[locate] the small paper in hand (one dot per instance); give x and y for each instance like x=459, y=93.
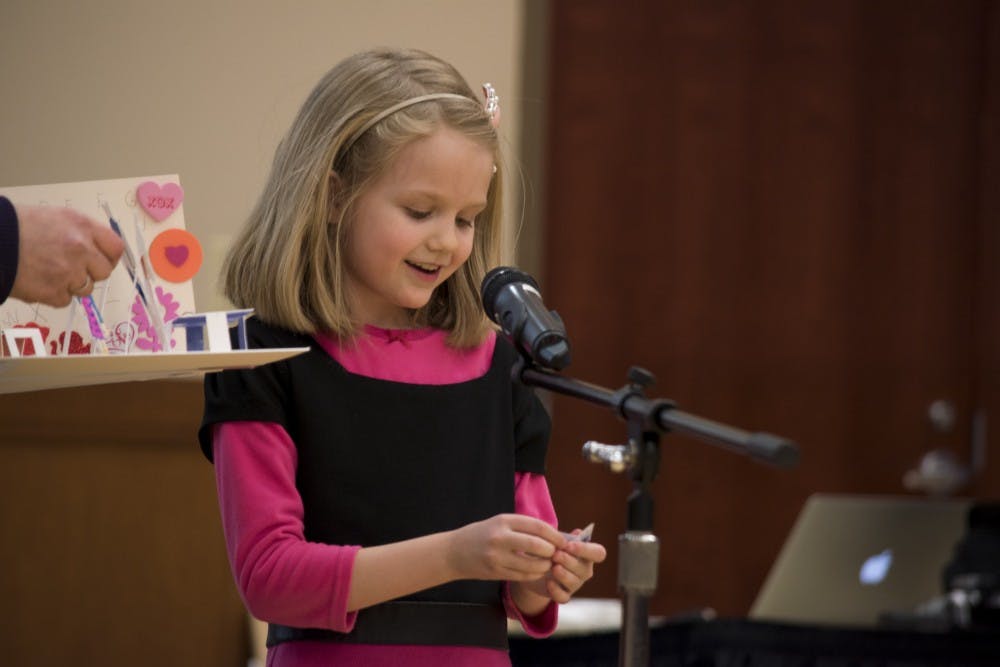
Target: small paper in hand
x=583, y=536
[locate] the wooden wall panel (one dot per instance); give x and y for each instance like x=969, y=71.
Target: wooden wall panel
x=110, y=537
x=775, y=207
x=987, y=325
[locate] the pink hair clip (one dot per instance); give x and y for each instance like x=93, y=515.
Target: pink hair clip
x=492, y=106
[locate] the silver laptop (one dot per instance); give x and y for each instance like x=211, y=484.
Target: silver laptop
x=850, y=559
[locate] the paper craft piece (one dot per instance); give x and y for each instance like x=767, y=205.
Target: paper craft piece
x=176, y=255
x=127, y=328
x=159, y=201
x=32, y=335
x=583, y=536
x=213, y=328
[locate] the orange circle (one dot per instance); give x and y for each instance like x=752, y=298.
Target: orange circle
x=176, y=255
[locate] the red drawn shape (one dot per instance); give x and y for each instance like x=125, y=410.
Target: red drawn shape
x=176, y=254
x=159, y=201
x=76, y=345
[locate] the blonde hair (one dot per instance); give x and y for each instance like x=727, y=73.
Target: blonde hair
x=287, y=262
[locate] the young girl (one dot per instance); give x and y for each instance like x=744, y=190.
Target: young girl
x=382, y=496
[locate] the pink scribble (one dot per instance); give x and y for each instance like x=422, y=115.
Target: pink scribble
x=93, y=320
x=170, y=305
x=121, y=337
x=146, y=337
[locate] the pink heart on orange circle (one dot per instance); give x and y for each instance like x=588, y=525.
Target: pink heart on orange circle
x=159, y=201
x=176, y=254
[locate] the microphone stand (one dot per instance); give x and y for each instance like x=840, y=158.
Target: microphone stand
x=638, y=547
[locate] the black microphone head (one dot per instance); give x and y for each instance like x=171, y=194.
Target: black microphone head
x=495, y=281
x=512, y=300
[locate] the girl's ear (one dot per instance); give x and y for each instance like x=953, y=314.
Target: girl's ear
x=336, y=196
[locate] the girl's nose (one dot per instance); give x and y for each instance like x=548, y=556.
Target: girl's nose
x=444, y=237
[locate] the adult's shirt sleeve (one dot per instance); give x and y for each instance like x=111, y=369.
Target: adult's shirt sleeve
x=9, y=242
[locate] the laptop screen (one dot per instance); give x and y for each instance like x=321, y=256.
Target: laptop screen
x=850, y=559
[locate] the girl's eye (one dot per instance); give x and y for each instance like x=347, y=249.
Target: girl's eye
x=465, y=222
x=417, y=214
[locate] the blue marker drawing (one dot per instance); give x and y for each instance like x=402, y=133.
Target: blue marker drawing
x=128, y=259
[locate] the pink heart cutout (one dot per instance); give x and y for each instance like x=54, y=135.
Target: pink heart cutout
x=159, y=201
x=176, y=254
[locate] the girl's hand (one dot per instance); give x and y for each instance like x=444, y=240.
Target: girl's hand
x=572, y=566
x=510, y=547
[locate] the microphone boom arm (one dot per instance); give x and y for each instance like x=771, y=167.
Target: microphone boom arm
x=662, y=415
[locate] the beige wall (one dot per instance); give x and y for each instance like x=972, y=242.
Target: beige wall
x=205, y=88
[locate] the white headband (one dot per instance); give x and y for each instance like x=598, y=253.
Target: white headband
x=402, y=105
x=492, y=109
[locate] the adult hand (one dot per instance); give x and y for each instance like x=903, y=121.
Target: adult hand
x=62, y=253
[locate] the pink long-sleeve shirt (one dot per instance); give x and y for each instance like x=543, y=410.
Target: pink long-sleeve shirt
x=285, y=579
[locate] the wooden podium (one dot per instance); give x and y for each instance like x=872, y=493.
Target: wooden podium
x=111, y=547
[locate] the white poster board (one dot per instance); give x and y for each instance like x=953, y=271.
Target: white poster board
x=127, y=319
x=128, y=323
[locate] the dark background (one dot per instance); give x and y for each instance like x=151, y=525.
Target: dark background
x=788, y=212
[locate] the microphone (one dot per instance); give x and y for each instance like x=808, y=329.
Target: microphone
x=512, y=300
